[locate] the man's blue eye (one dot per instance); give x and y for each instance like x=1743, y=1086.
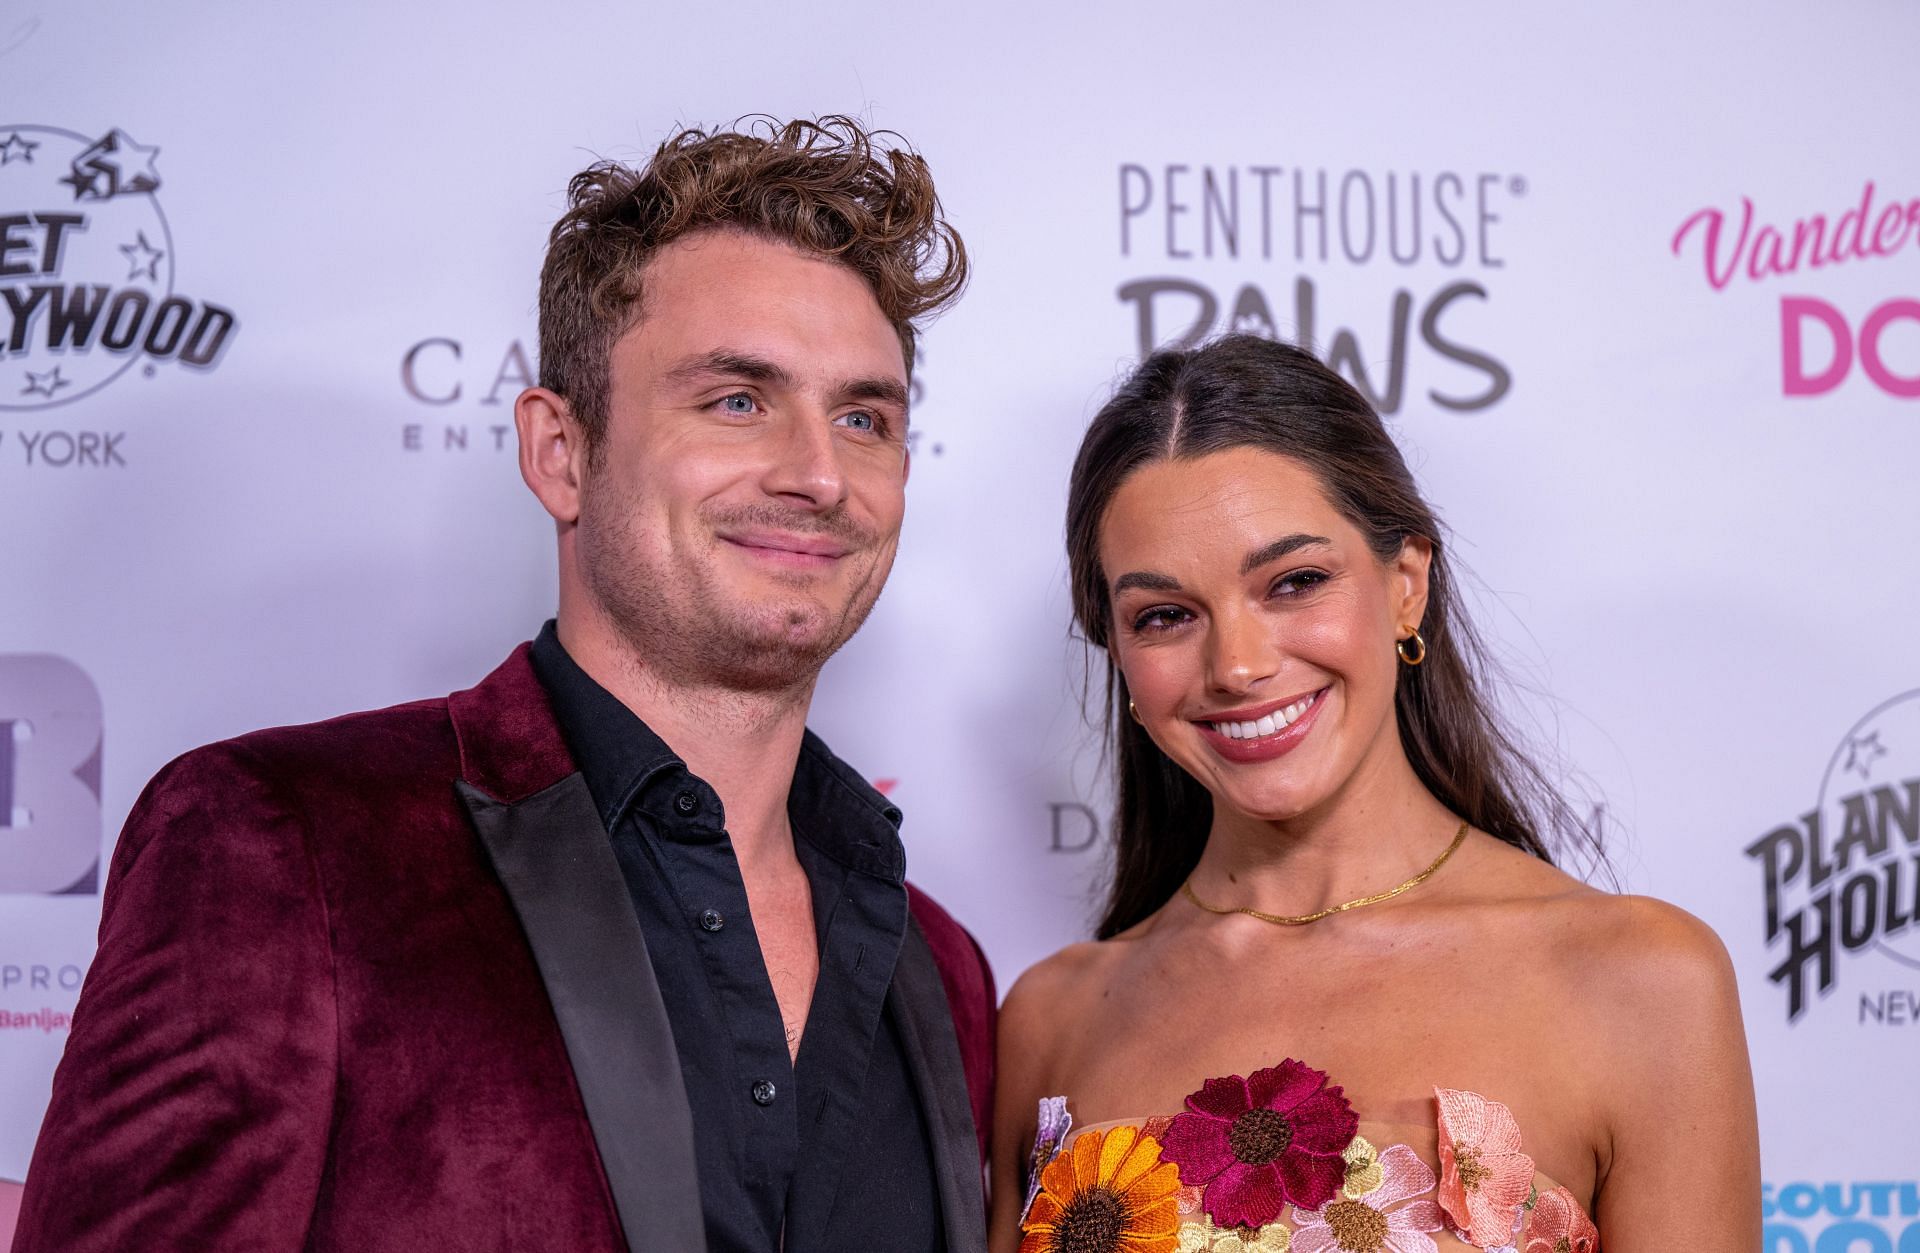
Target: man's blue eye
x=860, y=421
x=739, y=402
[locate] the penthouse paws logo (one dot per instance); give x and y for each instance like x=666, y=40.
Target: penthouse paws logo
x=1841, y=882
x=1387, y=273
x=87, y=271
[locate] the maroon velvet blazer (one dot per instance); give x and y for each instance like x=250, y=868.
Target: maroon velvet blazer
x=376, y=983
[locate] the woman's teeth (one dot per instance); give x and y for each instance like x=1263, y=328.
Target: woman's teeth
x=1278, y=720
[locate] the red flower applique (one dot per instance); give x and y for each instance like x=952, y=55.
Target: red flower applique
x=1559, y=1225
x=1484, y=1177
x=1254, y=1145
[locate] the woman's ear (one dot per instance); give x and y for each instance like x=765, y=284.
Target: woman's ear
x=1408, y=576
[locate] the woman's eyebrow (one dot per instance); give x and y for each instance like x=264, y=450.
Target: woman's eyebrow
x=1281, y=548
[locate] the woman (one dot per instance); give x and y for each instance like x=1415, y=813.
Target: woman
x=1341, y=999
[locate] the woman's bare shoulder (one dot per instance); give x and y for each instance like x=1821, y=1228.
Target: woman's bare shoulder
x=1639, y=949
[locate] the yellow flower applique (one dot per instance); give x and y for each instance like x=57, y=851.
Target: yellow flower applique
x=1201, y=1236
x=1364, y=1172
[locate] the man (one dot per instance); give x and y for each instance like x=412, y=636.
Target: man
x=607, y=949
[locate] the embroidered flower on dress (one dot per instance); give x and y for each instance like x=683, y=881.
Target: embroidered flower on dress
x=1202, y=1236
x=1484, y=1177
x=1364, y=1172
x=1257, y=1143
x=1557, y=1224
x=1053, y=1124
x=1108, y=1193
x=1377, y=1222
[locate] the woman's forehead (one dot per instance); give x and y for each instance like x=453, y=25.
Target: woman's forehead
x=1221, y=499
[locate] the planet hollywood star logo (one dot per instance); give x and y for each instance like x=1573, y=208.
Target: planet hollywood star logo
x=1842, y=881
x=87, y=269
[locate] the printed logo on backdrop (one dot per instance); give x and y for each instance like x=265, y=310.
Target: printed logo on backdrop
x=1840, y=884
x=473, y=385
x=1862, y=1217
x=1822, y=343
x=1383, y=272
x=50, y=745
x=89, y=284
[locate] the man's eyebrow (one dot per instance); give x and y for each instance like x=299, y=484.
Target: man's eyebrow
x=892, y=391
x=1152, y=580
x=727, y=363
x=730, y=364
x=1281, y=548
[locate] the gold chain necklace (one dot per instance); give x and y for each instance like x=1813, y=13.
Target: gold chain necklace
x=1301, y=920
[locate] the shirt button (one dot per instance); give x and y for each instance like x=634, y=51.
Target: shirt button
x=710, y=920
x=686, y=802
x=764, y=1092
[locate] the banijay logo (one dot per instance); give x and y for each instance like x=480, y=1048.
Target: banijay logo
x=1843, y=879
x=87, y=283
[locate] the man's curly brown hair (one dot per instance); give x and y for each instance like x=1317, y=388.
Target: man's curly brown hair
x=827, y=187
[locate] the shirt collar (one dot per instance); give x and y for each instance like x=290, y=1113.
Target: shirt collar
x=832, y=808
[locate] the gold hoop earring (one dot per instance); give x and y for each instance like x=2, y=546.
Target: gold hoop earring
x=1135, y=711
x=1415, y=655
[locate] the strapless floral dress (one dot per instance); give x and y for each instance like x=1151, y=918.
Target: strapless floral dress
x=1279, y=1162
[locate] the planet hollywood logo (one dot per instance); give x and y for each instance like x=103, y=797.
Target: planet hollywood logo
x=1843, y=879
x=1380, y=271
x=87, y=269
x=1742, y=246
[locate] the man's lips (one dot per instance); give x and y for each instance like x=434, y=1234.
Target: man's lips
x=789, y=548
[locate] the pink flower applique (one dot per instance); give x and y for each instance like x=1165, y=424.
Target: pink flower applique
x=1377, y=1221
x=1557, y=1224
x=1484, y=1177
x=1254, y=1145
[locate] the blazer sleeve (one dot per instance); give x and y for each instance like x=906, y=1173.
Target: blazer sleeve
x=191, y=1108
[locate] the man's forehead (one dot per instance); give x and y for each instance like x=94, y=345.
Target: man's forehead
x=727, y=294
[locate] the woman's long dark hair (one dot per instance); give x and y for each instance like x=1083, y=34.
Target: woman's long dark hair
x=1243, y=391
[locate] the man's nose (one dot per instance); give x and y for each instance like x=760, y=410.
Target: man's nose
x=804, y=463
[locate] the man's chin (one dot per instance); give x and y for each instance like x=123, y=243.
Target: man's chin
x=776, y=647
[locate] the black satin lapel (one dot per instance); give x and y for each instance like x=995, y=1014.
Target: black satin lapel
x=919, y=1002
x=552, y=854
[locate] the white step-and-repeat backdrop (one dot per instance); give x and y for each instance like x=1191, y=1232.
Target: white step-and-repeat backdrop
x=1638, y=287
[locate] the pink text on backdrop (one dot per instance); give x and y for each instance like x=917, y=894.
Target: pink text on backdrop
x=1725, y=254
x=1796, y=311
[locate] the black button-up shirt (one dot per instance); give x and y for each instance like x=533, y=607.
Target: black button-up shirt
x=829, y=1151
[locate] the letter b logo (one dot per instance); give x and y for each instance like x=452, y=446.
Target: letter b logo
x=49, y=777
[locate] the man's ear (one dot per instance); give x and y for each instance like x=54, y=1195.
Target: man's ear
x=1409, y=575
x=553, y=451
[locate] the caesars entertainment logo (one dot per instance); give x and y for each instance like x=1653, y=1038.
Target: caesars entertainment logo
x=468, y=388
x=88, y=279
x=1821, y=343
x=1380, y=271
x=1841, y=882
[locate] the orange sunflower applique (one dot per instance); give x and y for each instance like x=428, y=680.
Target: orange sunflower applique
x=1109, y=1192
x=1484, y=1177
